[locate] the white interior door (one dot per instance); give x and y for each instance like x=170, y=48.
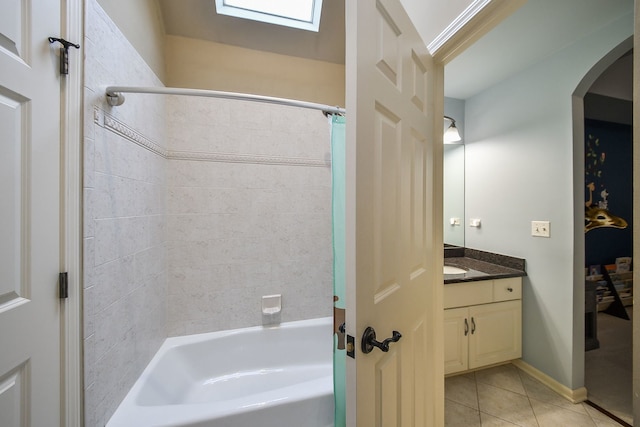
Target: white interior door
x=29, y=214
x=394, y=204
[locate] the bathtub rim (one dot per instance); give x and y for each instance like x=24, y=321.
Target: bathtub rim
x=198, y=410
x=177, y=341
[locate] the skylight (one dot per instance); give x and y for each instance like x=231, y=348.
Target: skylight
x=302, y=14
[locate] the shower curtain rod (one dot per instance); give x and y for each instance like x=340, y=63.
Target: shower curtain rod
x=115, y=97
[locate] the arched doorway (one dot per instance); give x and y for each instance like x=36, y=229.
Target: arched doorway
x=614, y=395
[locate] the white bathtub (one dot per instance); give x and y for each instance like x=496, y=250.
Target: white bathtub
x=261, y=376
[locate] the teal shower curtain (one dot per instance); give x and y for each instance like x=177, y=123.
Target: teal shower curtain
x=339, y=273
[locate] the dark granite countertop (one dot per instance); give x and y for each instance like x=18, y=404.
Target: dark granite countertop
x=481, y=265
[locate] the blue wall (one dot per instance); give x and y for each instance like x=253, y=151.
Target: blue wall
x=609, y=166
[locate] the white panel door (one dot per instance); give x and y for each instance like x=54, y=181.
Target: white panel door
x=394, y=240
x=29, y=214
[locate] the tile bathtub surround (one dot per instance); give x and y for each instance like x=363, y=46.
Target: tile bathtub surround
x=193, y=209
x=507, y=396
x=124, y=221
x=249, y=213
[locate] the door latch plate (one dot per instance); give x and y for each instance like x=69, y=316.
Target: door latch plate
x=351, y=347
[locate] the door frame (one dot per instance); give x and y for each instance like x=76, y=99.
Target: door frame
x=636, y=207
x=71, y=135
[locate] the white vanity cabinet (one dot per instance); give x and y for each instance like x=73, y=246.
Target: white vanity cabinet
x=482, y=323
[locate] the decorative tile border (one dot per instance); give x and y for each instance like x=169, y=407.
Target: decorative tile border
x=246, y=158
x=116, y=126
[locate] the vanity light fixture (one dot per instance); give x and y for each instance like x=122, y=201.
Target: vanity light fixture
x=451, y=135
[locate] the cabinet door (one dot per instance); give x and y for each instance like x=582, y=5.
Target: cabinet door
x=496, y=333
x=456, y=343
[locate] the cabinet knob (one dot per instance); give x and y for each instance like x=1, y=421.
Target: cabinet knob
x=510, y=289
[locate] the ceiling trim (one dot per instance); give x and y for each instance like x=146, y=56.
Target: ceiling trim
x=475, y=21
x=472, y=10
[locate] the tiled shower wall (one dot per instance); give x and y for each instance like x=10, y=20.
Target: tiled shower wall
x=124, y=223
x=194, y=209
x=249, y=213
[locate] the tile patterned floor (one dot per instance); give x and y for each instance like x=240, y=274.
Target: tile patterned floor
x=507, y=396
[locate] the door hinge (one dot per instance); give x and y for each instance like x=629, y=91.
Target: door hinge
x=63, y=285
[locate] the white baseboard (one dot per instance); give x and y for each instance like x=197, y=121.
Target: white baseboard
x=574, y=396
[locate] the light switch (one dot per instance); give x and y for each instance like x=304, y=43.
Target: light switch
x=540, y=229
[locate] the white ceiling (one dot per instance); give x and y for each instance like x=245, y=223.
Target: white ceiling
x=535, y=31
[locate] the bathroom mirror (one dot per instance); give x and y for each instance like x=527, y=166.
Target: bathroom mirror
x=453, y=194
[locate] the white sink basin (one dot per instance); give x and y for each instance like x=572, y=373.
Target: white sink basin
x=449, y=269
